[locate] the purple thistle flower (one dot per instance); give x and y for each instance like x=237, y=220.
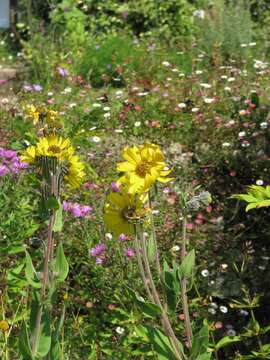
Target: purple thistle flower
x=8, y=154
x=98, y=250
x=3, y=170
x=122, y=237
x=129, y=252
x=76, y=210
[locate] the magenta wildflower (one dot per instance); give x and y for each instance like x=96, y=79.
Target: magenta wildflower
x=76, y=209
x=3, y=170
x=61, y=71
x=129, y=252
x=114, y=187
x=122, y=237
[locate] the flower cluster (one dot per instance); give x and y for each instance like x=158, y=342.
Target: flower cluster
x=10, y=162
x=126, y=204
x=42, y=114
x=56, y=147
x=98, y=252
x=77, y=210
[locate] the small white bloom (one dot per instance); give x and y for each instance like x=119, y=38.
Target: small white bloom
x=120, y=330
x=107, y=115
x=67, y=90
x=106, y=108
x=226, y=144
x=155, y=212
x=227, y=88
x=175, y=248
x=259, y=182
x=50, y=93
x=224, y=77
x=195, y=109
x=231, y=79
x=108, y=236
x=140, y=298
x=96, y=139
x=119, y=92
x=143, y=93
x=243, y=45
x=96, y=105
x=223, y=309
x=242, y=134
x=181, y=105
x=199, y=14
x=198, y=72
x=72, y=105
x=181, y=75
x=4, y=101
x=242, y=112
x=263, y=125
x=175, y=70
x=205, y=85
x=212, y=311
x=252, y=44
x=205, y=273
x=166, y=63
x=93, y=128
x=209, y=100
x=119, y=131
x=137, y=124
x=224, y=266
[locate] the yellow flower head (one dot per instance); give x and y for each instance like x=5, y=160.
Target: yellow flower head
x=29, y=155
x=143, y=166
x=123, y=210
x=4, y=325
x=32, y=113
x=54, y=146
x=75, y=171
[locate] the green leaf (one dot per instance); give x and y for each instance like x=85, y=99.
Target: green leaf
x=171, y=285
x=200, y=342
x=58, y=222
x=52, y=203
x=188, y=265
x=61, y=265
x=161, y=343
x=227, y=340
x=151, y=249
x=56, y=352
x=44, y=340
x=148, y=308
x=206, y=356
x=30, y=272
x=24, y=344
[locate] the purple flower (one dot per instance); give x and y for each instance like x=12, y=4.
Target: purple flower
x=122, y=237
x=115, y=187
x=129, y=252
x=37, y=87
x=99, y=261
x=85, y=210
x=98, y=250
x=28, y=88
x=3, y=170
x=76, y=210
x=61, y=71
x=8, y=154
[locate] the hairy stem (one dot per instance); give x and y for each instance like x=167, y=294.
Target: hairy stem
x=165, y=320
x=184, y=287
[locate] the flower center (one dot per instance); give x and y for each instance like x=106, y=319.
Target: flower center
x=54, y=149
x=142, y=169
x=133, y=215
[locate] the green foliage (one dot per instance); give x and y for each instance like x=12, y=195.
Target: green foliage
x=226, y=26
x=256, y=197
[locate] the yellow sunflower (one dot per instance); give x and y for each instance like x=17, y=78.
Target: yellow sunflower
x=122, y=210
x=29, y=154
x=143, y=166
x=54, y=146
x=75, y=171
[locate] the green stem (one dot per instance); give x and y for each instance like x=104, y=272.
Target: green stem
x=165, y=320
x=184, y=287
